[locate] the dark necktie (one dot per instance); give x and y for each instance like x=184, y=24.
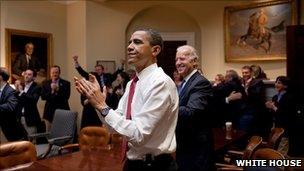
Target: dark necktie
x=128, y=115
x=180, y=87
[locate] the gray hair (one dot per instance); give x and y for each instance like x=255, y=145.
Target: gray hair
x=192, y=51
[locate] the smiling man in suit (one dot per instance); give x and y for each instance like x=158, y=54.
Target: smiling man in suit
x=194, y=134
x=9, y=124
x=56, y=92
x=28, y=96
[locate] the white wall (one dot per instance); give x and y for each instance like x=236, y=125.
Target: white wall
x=76, y=40
x=107, y=23
x=46, y=17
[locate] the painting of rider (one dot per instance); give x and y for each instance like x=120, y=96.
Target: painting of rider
x=257, y=32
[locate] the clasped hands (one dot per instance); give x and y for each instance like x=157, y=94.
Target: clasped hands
x=91, y=90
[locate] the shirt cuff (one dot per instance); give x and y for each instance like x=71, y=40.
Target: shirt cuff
x=112, y=118
x=226, y=100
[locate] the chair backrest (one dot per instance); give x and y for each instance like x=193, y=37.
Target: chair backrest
x=93, y=137
x=275, y=137
x=64, y=124
x=15, y=153
x=267, y=154
x=253, y=143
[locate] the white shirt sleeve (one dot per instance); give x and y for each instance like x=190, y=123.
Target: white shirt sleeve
x=140, y=128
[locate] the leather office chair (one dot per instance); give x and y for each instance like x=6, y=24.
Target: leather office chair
x=252, y=145
x=16, y=153
x=274, y=138
x=90, y=138
x=93, y=137
x=268, y=154
x=61, y=133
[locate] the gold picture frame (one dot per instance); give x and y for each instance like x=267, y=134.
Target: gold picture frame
x=15, y=45
x=257, y=31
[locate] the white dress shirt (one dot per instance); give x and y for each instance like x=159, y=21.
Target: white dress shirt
x=154, y=112
x=26, y=88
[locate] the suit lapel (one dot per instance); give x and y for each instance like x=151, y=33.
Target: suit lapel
x=188, y=84
x=2, y=94
x=29, y=91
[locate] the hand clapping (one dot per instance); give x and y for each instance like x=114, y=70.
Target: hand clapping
x=91, y=90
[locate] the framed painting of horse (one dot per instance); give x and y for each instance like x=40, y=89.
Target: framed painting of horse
x=257, y=31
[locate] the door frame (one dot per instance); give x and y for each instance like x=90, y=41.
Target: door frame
x=179, y=36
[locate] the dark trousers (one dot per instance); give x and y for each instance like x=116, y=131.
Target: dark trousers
x=163, y=162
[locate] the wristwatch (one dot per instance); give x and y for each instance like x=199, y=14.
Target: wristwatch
x=104, y=112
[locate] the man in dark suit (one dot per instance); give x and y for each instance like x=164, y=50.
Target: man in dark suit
x=193, y=132
x=255, y=120
x=9, y=124
x=229, y=103
x=56, y=92
x=28, y=96
x=26, y=61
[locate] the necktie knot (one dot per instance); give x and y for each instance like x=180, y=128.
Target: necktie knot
x=135, y=79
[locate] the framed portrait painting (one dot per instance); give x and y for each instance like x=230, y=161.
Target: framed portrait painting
x=257, y=31
x=28, y=49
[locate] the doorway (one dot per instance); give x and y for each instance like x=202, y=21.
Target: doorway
x=167, y=59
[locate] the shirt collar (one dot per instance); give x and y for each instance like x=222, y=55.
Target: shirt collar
x=248, y=81
x=29, y=84
x=146, y=71
x=1, y=88
x=190, y=75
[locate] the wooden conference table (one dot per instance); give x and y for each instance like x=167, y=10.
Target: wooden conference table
x=110, y=159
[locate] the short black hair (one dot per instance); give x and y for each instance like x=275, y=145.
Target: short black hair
x=56, y=66
x=247, y=67
x=34, y=71
x=156, y=38
x=99, y=65
x=284, y=80
x=4, y=74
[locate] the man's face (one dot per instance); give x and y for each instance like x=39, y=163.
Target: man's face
x=28, y=76
x=99, y=70
x=139, y=49
x=29, y=49
x=279, y=86
x=55, y=73
x=246, y=74
x=183, y=62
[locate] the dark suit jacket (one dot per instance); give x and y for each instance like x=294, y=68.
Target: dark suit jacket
x=28, y=101
x=286, y=109
x=194, y=134
x=255, y=104
x=228, y=111
x=58, y=100
x=20, y=64
x=11, y=127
